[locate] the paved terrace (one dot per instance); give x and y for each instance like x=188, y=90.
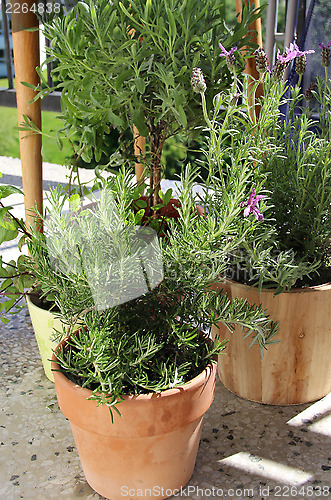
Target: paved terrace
x=247, y=450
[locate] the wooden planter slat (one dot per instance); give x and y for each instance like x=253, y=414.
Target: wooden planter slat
x=297, y=369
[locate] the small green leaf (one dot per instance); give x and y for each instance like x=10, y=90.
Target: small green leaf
x=74, y=201
x=7, y=234
x=21, y=242
x=86, y=191
x=9, y=304
x=167, y=196
x=138, y=216
x=157, y=207
x=4, y=320
x=5, y=219
x=18, y=282
x=182, y=116
x=114, y=119
x=8, y=190
x=140, y=84
x=21, y=263
x=5, y=283
x=29, y=85
x=4, y=273
x=122, y=77
x=139, y=121
x=172, y=23
x=59, y=141
x=141, y=203
x=27, y=280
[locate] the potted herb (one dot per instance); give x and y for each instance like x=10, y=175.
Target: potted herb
x=136, y=380
x=283, y=262
x=19, y=280
x=17, y=283
x=124, y=63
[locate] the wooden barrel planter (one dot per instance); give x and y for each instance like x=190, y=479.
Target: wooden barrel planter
x=297, y=369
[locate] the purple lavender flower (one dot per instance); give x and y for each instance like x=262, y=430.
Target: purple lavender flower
x=251, y=205
x=283, y=61
x=293, y=51
x=325, y=53
x=279, y=67
x=301, y=64
x=323, y=46
x=198, y=81
x=309, y=94
x=229, y=57
x=301, y=59
x=261, y=60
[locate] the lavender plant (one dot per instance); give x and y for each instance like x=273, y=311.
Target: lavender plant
x=288, y=192
x=125, y=63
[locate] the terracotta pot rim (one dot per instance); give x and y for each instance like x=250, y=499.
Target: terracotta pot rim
x=307, y=289
x=190, y=385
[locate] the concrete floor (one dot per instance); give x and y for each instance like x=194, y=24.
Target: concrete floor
x=247, y=450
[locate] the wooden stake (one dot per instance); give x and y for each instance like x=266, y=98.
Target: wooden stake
x=256, y=37
x=139, y=142
x=26, y=58
x=139, y=149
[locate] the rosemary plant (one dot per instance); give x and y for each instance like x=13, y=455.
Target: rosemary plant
x=139, y=340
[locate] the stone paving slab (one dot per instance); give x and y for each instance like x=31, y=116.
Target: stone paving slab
x=247, y=450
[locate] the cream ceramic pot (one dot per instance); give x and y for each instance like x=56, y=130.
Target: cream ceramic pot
x=44, y=324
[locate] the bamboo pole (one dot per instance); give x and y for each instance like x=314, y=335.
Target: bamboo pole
x=139, y=144
x=139, y=149
x=256, y=37
x=26, y=58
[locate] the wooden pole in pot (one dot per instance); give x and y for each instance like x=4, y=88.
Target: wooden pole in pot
x=26, y=59
x=139, y=143
x=256, y=37
x=139, y=149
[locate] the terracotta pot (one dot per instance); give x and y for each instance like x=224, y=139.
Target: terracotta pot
x=44, y=323
x=297, y=369
x=150, y=450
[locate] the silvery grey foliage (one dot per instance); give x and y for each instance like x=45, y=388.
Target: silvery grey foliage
x=121, y=262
